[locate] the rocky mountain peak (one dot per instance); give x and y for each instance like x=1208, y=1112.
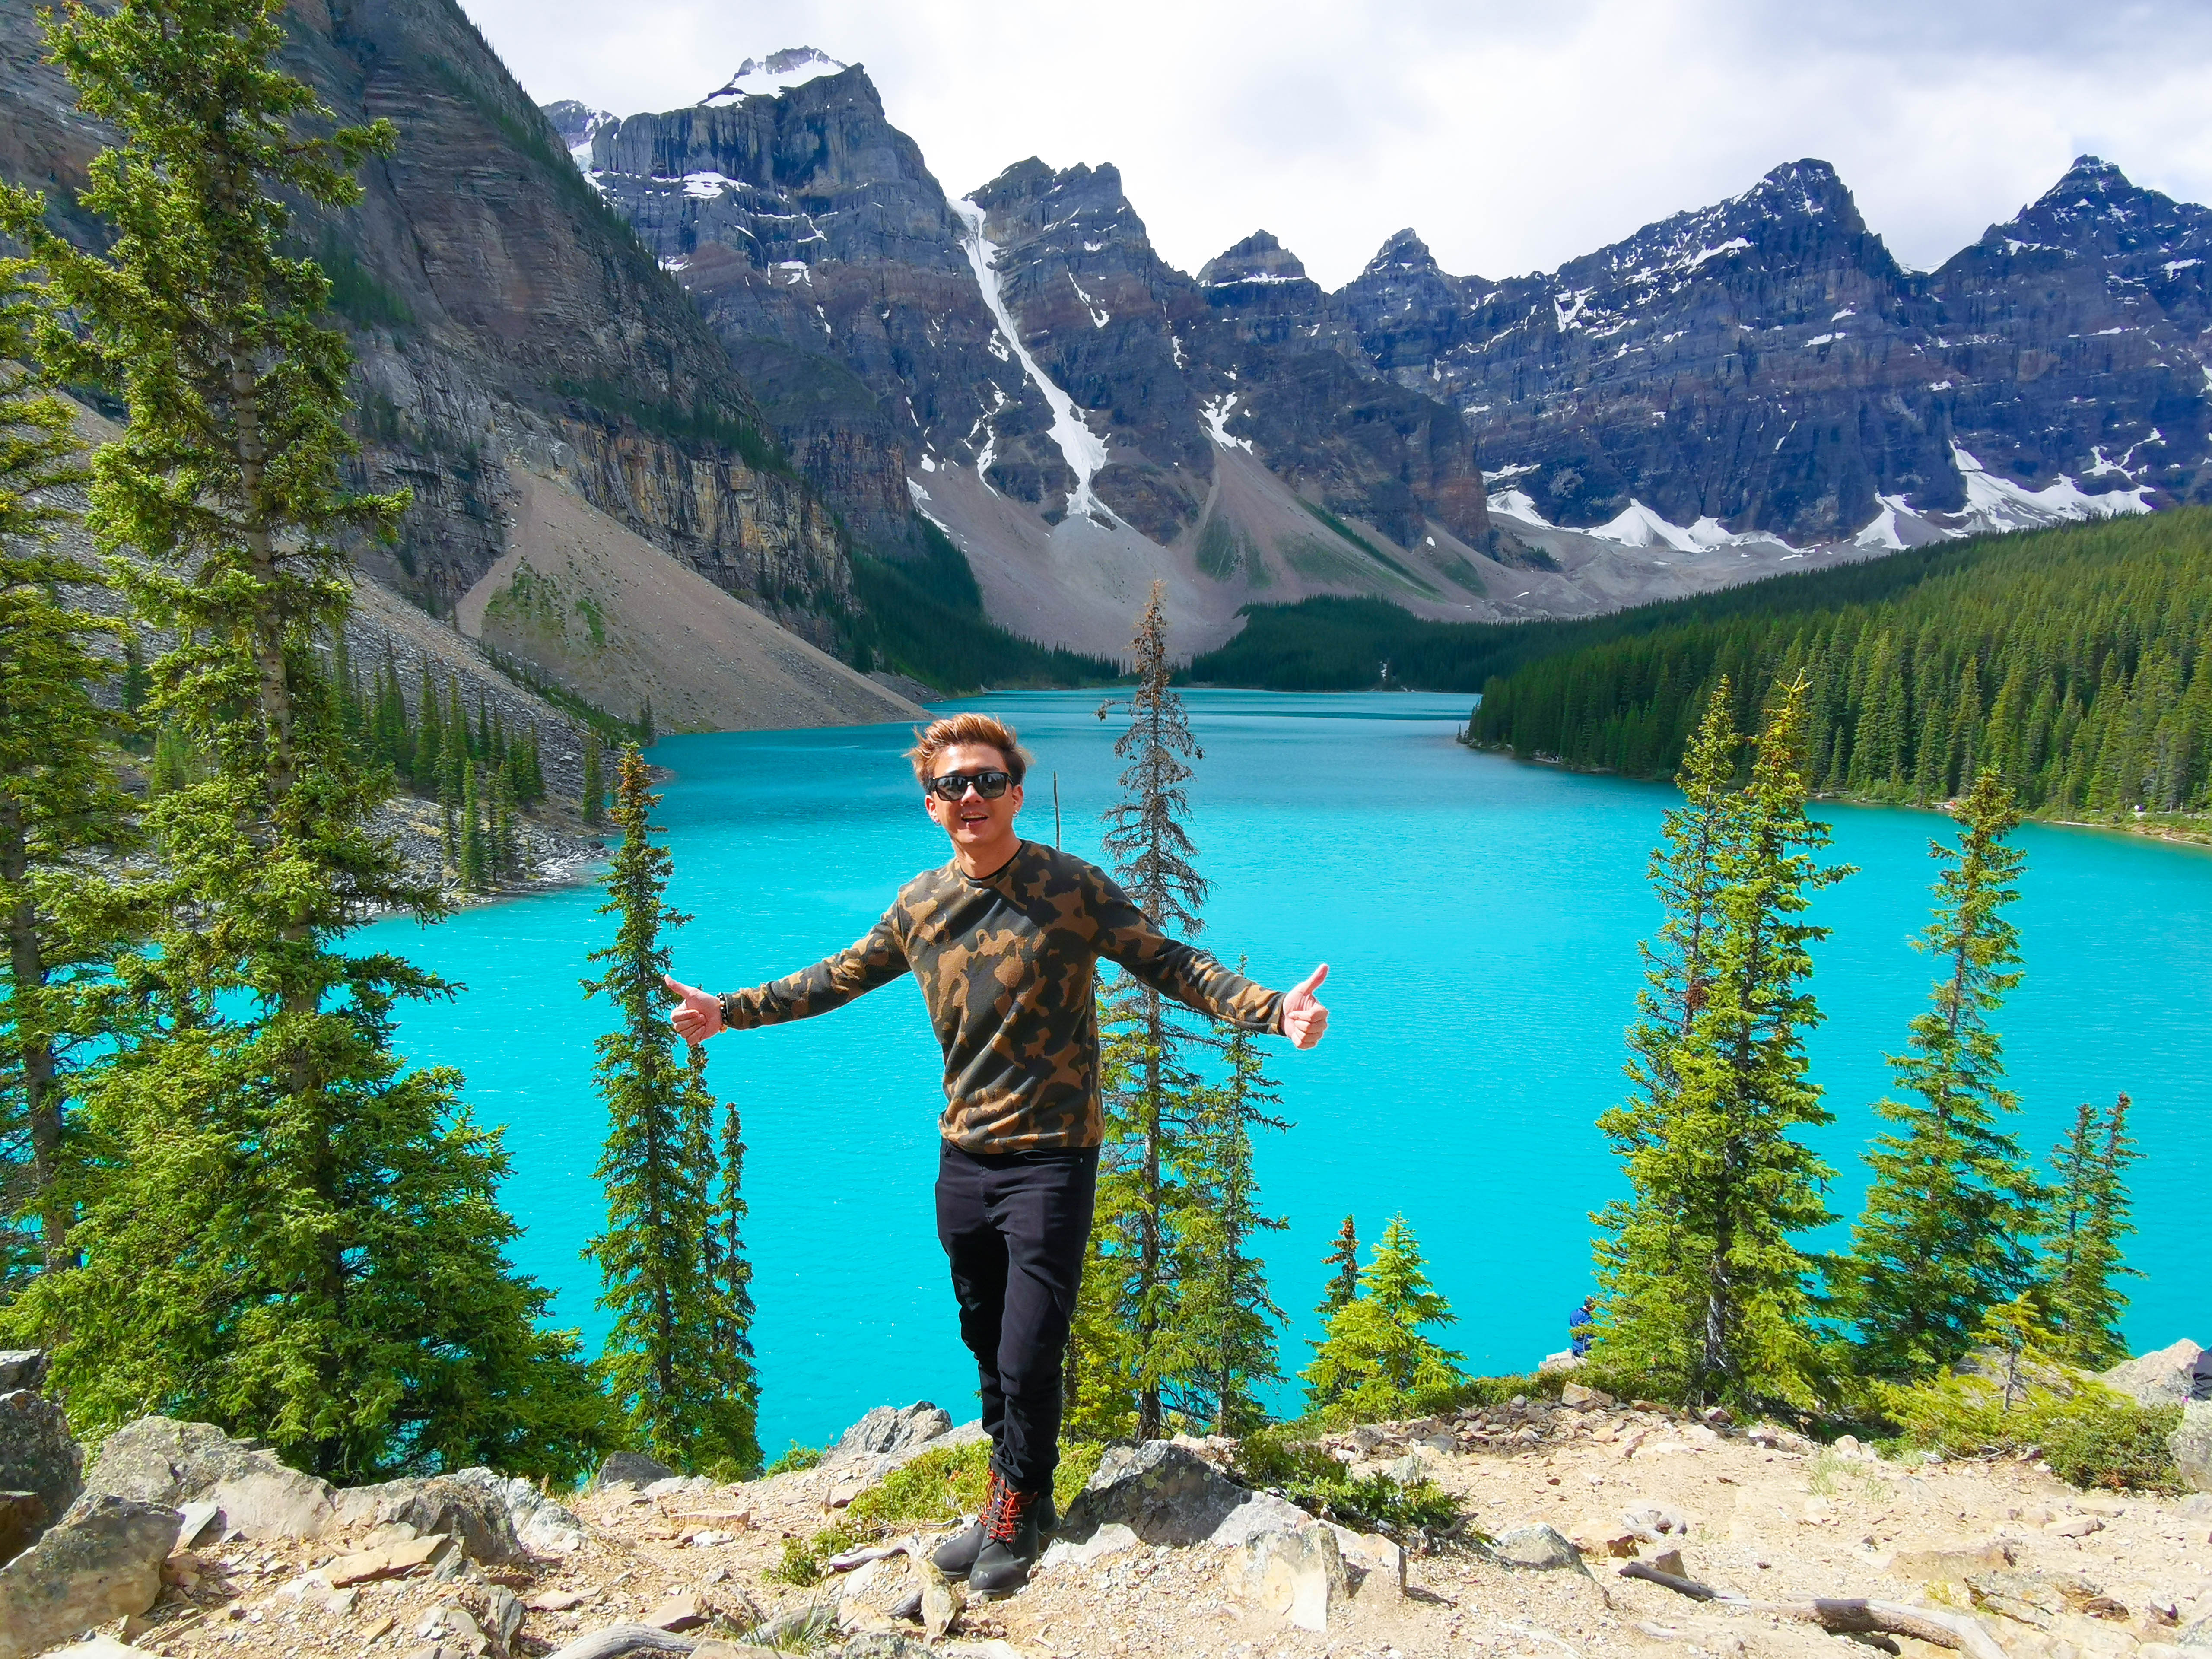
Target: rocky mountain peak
x=1404, y=255
x=578, y=124
x=774, y=73
x=2094, y=210
x=1807, y=186
x=1258, y=258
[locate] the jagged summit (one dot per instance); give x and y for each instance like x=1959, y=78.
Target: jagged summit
x=1258, y=258
x=776, y=72
x=1404, y=255
x=1806, y=186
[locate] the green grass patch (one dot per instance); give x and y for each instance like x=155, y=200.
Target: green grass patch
x=1367, y=547
x=1288, y=1461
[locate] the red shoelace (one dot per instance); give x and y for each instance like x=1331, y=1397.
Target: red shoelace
x=1007, y=1516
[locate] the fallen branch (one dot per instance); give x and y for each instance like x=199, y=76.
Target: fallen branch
x=860, y=1557
x=617, y=1640
x=1841, y=1615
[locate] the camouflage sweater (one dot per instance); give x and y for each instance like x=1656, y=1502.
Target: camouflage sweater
x=1008, y=963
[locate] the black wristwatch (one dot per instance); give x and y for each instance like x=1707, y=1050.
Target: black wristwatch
x=722, y=1004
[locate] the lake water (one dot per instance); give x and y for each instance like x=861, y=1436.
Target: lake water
x=1481, y=919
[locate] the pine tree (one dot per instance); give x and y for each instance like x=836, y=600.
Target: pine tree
x=430, y=735
x=1374, y=1361
x=672, y=1361
x=1225, y=1338
x=1153, y=1091
x=1704, y=1290
x=2088, y=1218
x=731, y=1272
x=65, y=922
x=1645, y=1318
x=1949, y=1219
x=1344, y=1281
x=254, y=1248
x=475, y=862
x=594, y=804
x=459, y=747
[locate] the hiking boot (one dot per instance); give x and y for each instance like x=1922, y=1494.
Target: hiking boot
x=1010, y=1543
x=956, y=1556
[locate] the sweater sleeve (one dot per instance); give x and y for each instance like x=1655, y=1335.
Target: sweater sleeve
x=1126, y=936
x=858, y=969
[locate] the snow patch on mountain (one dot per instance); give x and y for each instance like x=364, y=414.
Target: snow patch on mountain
x=776, y=72
x=1994, y=505
x=1998, y=504
x=1216, y=417
x=1083, y=450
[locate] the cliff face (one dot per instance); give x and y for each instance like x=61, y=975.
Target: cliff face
x=1022, y=363
x=1766, y=362
x=500, y=313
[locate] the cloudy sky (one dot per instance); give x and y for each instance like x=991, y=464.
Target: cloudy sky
x=1511, y=135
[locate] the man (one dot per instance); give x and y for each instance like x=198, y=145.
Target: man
x=1004, y=940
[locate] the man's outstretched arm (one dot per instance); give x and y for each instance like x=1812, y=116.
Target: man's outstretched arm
x=875, y=960
x=1126, y=936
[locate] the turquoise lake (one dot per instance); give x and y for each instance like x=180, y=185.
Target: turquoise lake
x=1481, y=919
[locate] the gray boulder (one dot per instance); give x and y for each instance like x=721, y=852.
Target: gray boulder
x=36, y=1453
x=541, y=1526
x=1164, y=1492
x=1299, y=1574
x=1537, y=1549
x=2191, y=1444
x=628, y=1468
x=471, y=1506
x=889, y=1430
x=2170, y=1377
x=23, y=1368
x=103, y=1561
x=159, y=1460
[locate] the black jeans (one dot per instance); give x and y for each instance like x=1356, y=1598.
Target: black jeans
x=1014, y=1225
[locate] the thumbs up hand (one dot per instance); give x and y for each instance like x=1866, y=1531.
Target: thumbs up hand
x=1304, y=1019
x=700, y=1015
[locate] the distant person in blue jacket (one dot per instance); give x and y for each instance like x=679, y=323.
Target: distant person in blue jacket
x=1579, y=1327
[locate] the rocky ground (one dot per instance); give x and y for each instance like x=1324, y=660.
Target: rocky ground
x=1163, y=1556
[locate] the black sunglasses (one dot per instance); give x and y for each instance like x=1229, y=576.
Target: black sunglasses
x=953, y=785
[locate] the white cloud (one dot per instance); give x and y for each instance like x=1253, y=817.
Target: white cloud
x=1511, y=137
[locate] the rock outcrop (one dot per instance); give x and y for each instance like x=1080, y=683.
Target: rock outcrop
x=103, y=1561
x=159, y=1461
x=2191, y=1444
x=2170, y=1377
x=502, y=316
x=41, y=1466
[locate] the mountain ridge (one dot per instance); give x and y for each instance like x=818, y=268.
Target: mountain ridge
x=1726, y=389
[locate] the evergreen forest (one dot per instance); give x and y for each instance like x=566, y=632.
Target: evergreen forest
x=2075, y=663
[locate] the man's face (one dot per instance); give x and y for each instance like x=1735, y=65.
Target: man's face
x=971, y=821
